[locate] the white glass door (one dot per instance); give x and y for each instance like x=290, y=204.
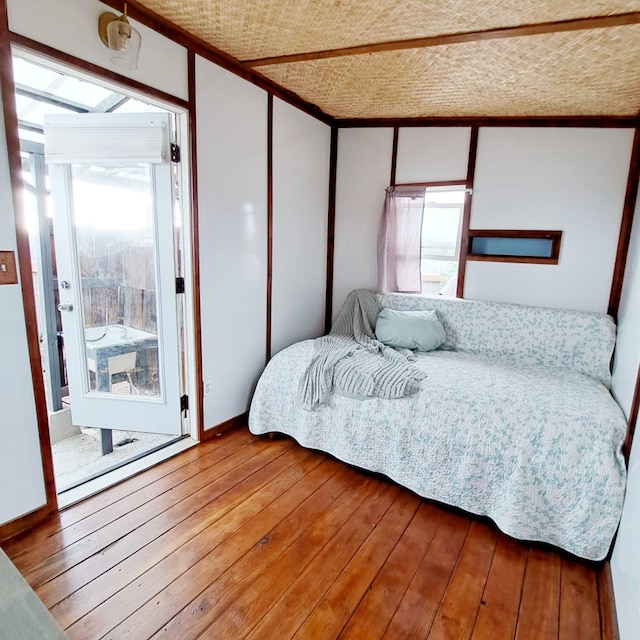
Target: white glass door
x=114, y=241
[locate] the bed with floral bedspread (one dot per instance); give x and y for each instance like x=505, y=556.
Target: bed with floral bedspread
x=514, y=420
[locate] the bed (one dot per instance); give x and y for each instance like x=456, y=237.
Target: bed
x=514, y=420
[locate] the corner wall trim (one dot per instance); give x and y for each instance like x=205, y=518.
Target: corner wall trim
x=631, y=422
x=24, y=265
x=626, y=224
x=269, y=225
x=331, y=227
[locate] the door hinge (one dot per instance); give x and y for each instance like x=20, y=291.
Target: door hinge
x=175, y=153
x=184, y=403
x=180, y=284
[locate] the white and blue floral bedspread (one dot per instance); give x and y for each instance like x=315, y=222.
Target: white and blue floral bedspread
x=535, y=448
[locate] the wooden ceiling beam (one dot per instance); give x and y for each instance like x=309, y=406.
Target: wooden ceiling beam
x=578, y=24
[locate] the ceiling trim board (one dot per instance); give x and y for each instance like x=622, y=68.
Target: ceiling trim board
x=600, y=122
x=578, y=24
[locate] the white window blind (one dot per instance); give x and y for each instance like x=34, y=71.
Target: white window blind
x=107, y=138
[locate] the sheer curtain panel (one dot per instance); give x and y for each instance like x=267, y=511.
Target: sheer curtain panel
x=399, y=240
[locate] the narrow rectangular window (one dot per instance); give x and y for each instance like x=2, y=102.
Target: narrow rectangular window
x=503, y=245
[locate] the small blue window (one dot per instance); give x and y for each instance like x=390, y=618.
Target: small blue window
x=542, y=247
x=531, y=247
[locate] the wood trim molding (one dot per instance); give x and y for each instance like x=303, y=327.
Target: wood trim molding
x=606, y=599
x=198, y=46
x=95, y=70
x=584, y=122
x=24, y=523
x=269, y=224
x=631, y=422
x=394, y=156
x=453, y=184
x=626, y=224
x=24, y=265
x=578, y=24
x=554, y=236
x=236, y=422
x=466, y=214
x=195, y=245
x=331, y=228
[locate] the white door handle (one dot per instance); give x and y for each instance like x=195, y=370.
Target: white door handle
x=65, y=307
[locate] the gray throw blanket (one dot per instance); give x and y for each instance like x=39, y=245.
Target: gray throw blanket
x=350, y=359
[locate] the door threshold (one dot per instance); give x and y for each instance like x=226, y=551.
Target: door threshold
x=108, y=479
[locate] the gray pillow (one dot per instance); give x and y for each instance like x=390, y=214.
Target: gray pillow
x=416, y=330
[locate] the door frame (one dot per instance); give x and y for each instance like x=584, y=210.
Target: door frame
x=10, y=44
x=96, y=407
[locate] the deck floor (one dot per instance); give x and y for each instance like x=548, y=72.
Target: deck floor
x=244, y=537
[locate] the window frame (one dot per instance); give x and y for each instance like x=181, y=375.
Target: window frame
x=448, y=186
x=555, y=237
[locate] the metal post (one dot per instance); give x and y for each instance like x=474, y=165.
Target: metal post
x=45, y=278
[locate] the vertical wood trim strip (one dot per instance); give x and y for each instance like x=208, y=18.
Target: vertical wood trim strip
x=466, y=215
x=24, y=258
x=331, y=227
x=195, y=243
x=394, y=156
x=625, y=227
x=631, y=423
x=269, y=223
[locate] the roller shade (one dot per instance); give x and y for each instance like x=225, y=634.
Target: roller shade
x=107, y=138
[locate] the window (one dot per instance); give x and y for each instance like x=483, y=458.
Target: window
x=440, y=239
x=420, y=237
x=500, y=245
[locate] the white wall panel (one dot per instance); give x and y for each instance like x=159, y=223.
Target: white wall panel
x=432, y=154
x=625, y=562
x=21, y=477
x=232, y=202
x=71, y=26
x=363, y=173
x=301, y=148
x=568, y=179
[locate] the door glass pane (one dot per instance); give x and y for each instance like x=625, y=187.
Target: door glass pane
x=114, y=224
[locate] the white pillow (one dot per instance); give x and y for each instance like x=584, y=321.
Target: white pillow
x=416, y=330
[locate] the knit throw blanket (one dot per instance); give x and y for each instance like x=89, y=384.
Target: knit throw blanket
x=351, y=361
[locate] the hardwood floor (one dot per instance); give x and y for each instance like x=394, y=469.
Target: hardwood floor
x=244, y=537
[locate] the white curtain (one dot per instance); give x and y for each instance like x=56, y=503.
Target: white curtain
x=399, y=240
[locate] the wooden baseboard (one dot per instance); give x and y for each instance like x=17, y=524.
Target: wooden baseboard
x=608, y=615
x=224, y=427
x=23, y=523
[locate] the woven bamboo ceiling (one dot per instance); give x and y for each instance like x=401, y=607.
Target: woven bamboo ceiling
x=432, y=58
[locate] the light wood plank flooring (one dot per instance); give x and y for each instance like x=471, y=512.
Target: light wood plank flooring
x=244, y=537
